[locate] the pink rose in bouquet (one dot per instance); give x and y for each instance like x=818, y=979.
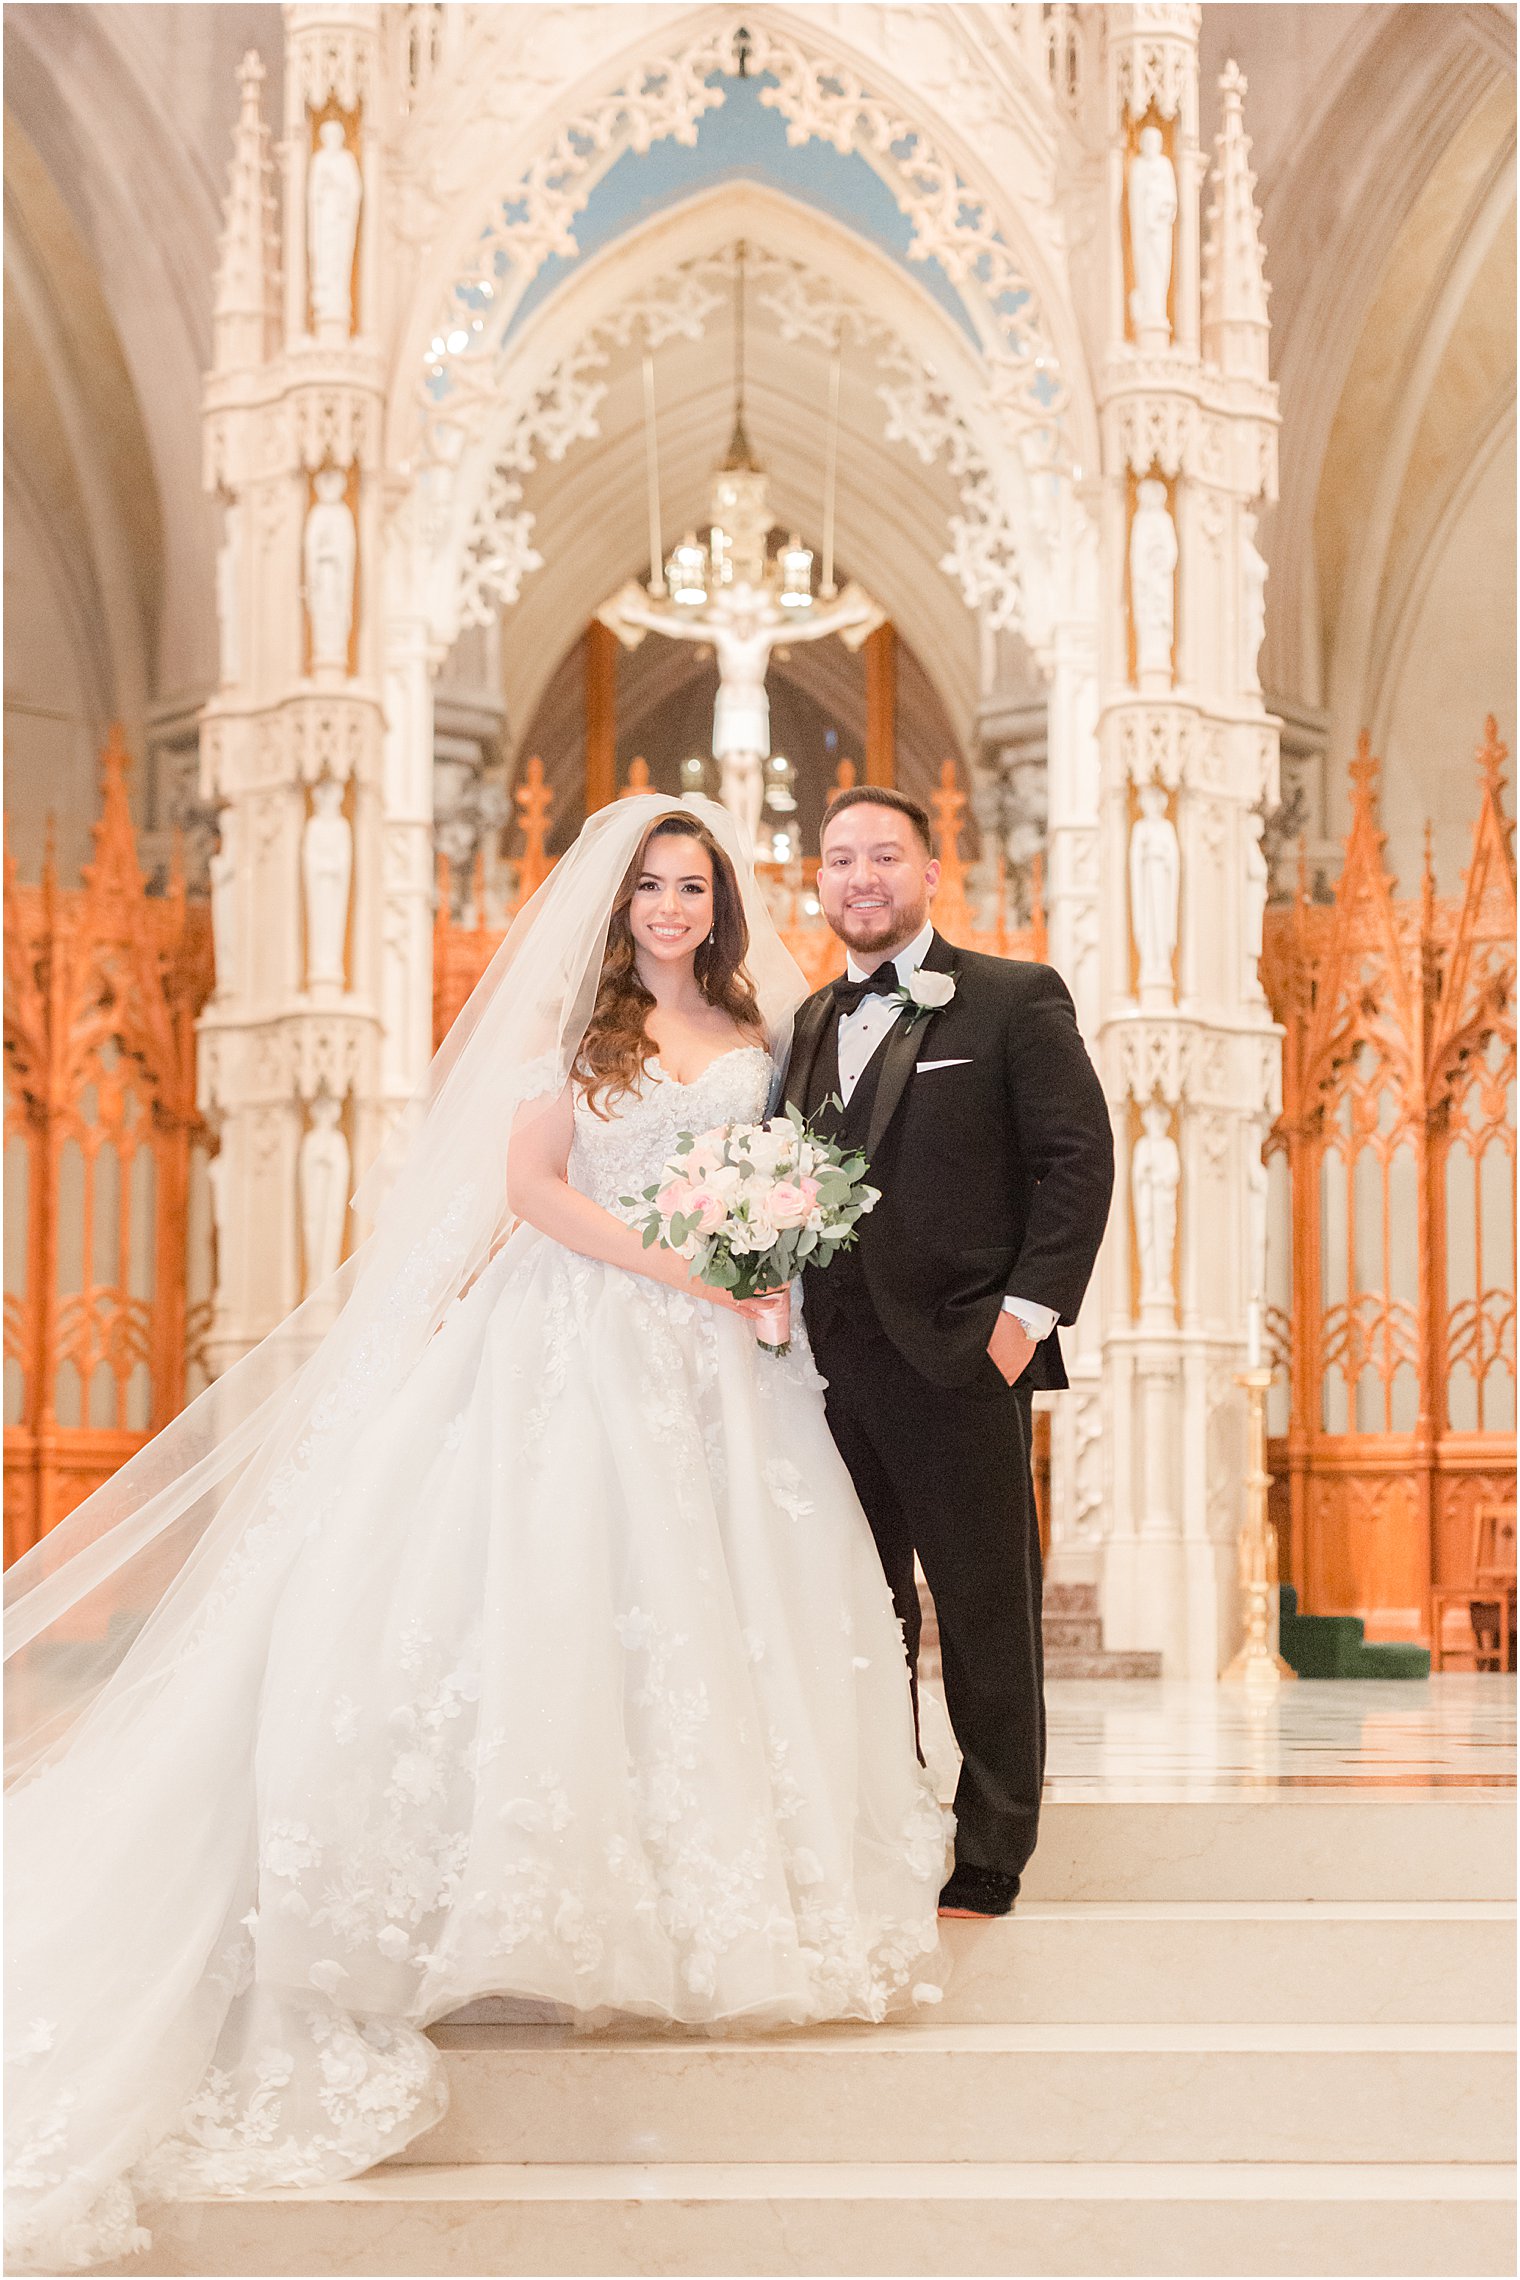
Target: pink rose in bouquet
x=708, y=1208
x=791, y=1202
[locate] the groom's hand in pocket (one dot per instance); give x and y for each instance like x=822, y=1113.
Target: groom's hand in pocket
x=1011, y=1347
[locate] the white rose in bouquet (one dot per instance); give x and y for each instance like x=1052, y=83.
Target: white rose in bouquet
x=769, y=1150
x=757, y=1233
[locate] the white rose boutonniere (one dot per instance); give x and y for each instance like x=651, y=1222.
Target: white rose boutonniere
x=924, y=992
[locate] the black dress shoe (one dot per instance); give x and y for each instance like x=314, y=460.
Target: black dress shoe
x=978, y=1892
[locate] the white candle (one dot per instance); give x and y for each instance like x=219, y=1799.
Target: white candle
x=1253, y=1335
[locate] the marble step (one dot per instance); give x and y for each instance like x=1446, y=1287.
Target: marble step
x=1070, y=1599
x=1282, y=1844
x=979, y=2093
x=1235, y=1963
x=1072, y=1630
x=1067, y=1662
x=1120, y=1662
x=1067, y=1659
x=1072, y=1634
x=1007, y=2218
x=1231, y=1962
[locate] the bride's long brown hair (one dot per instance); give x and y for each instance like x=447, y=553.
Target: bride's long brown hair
x=617, y=1047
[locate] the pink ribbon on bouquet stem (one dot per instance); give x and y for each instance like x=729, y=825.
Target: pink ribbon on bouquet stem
x=773, y=1319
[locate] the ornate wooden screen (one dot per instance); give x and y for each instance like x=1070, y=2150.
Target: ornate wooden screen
x=461, y=953
x=1396, y=1302
x=102, y=987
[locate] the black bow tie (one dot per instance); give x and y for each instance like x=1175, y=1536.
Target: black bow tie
x=848, y=994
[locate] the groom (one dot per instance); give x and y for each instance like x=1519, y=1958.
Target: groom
x=965, y=1081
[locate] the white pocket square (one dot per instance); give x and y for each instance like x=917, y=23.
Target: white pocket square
x=922, y=1068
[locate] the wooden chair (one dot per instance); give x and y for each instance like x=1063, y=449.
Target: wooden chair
x=1472, y=1625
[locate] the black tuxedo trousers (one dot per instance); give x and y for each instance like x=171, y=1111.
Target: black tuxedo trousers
x=946, y=1475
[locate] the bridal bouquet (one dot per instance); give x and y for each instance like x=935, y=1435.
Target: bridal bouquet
x=748, y=1204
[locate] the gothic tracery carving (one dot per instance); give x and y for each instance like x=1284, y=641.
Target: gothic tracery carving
x=1156, y=57
x=334, y=68
x=949, y=220
x=985, y=544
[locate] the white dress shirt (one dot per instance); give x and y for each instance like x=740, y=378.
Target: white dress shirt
x=862, y=1031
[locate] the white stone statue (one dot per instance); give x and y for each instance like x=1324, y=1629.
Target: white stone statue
x=322, y=1168
x=330, y=553
x=1155, y=878
x=743, y=623
x=1253, y=604
x=1152, y=584
x=1151, y=181
x=227, y=591
x=327, y=863
x=223, y=867
x=334, y=191
x=1155, y=1177
x=1254, y=904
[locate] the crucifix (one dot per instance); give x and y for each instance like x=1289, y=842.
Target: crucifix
x=741, y=601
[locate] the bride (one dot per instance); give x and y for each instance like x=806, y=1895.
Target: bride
x=504, y=1624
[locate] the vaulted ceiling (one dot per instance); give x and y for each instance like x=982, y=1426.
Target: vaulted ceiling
x=1384, y=143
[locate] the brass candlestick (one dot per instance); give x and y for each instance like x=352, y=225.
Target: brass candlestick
x=1257, y=1663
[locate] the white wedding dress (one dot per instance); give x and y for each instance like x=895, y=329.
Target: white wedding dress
x=573, y=1678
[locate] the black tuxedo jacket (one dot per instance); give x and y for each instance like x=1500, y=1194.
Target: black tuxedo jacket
x=995, y=1167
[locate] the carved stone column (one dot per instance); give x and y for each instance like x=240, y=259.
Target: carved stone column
x=1189, y=755
x=293, y=421
x=1074, y=927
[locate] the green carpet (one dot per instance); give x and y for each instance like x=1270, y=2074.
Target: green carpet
x=1336, y=1646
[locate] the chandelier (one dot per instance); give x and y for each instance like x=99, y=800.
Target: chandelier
x=737, y=547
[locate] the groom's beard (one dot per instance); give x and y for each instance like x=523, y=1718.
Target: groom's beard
x=880, y=933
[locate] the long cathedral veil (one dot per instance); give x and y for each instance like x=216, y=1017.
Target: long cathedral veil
x=98, y=1612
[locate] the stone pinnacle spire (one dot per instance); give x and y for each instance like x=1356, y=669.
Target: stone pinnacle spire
x=1234, y=289
x=248, y=270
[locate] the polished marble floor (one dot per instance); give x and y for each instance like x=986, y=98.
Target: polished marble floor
x=1165, y=1740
